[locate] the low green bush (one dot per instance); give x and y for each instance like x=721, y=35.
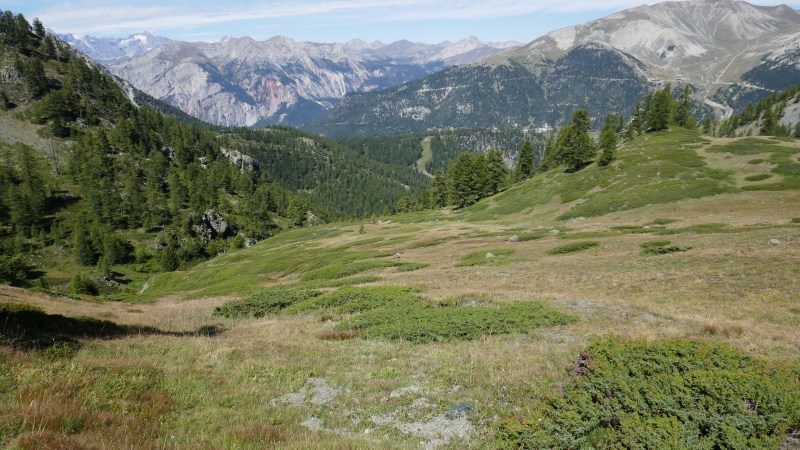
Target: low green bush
x=668, y=395
x=531, y=236
x=82, y=285
x=755, y=161
x=424, y=322
x=350, y=299
x=661, y=248
x=759, y=177
x=398, y=312
x=572, y=247
x=411, y=266
x=268, y=301
x=663, y=221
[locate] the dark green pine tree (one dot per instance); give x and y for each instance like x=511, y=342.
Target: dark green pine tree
x=661, y=107
x=524, y=168
x=708, y=126
x=497, y=171
x=550, y=152
x=683, y=109
x=797, y=130
x=480, y=175
x=82, y=245
x=465, y=188
x=768, y=122
x=169, y=259
x=608, y=140
x=35, y=78
x=38, y=28
x=576, y=148
x=439, y=189
x=28, y=191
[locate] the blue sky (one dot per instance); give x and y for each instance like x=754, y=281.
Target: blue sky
x=322, y=20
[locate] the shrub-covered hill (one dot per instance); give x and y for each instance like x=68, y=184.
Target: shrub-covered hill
x=654, y=168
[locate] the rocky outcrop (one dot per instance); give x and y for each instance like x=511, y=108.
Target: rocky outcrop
x=213, y=225
x=239, y=159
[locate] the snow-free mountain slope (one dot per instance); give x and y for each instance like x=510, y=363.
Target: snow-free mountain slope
x=732, y=52
x=241, y=81
x=711, y=44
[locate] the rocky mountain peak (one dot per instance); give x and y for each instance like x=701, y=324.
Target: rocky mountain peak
x=241, y=81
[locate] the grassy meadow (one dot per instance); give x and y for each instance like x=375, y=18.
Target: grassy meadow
x=629, y=291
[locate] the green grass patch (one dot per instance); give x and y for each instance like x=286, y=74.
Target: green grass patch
x=572, y=247
x=756, y=161
x=341, y=270
x=661, y=247
x=795, y=219
x=759, y=177
x=411, y=266
x=652, y=169
x=590, y=234
x=637, y=229
x=782, y=157
x=493, y=256
x=703, y=228
x=744, y=146
x=674, y=394
x=432, y=242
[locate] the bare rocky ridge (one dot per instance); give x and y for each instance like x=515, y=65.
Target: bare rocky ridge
x=244, y=82
x=711, y=44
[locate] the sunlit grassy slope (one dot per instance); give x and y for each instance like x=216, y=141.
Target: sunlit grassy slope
x=338, y=337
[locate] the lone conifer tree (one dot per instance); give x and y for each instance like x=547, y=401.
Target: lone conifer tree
x=768, y=122
x=524, y=168
x=497, y=171
x=608, y=140
x=576, y=148
x=683, y=110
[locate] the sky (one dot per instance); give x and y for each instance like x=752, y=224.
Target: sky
x=322, y=20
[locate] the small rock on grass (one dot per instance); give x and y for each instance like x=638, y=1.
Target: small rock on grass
x=462, y=409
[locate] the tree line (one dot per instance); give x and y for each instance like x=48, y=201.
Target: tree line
x=767, y=112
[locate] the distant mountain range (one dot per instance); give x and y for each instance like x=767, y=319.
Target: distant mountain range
x=244, y=82
x=732, y=52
